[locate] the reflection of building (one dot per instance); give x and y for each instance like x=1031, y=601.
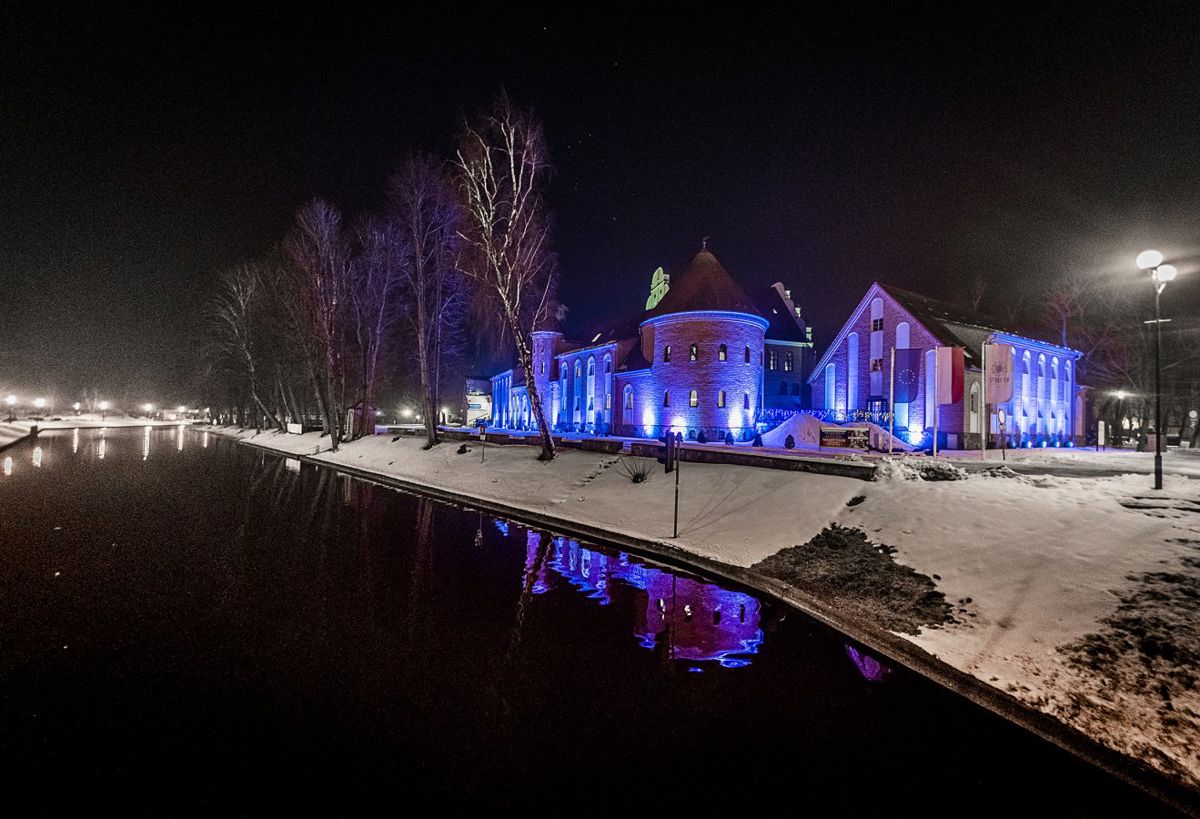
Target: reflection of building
x=854, y=376
x=697, y=620
x=702, y=356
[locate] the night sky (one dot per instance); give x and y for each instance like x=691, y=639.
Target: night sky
x=144, y=150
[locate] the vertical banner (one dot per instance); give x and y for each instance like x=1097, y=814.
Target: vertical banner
x=999, y=373
x=907, y=375
x=950, y=363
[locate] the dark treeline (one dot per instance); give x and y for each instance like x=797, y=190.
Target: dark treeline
x=340, y=311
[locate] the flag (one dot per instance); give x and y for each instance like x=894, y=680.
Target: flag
x=999, y=373
x=949, y=374
x=907, y=375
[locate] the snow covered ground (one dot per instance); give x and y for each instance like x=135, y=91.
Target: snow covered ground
x=1033, y=564
x=12, y=432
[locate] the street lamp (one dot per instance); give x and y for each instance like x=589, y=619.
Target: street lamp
x=1160, y=274
x=39, y=402
x=147, y=408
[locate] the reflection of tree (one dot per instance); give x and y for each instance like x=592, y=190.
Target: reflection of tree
x=422, y=566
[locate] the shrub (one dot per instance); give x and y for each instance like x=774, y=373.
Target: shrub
x=789, y=443
x=728, y=438
x=701, y=438
x=635, y=468
x=758, y=439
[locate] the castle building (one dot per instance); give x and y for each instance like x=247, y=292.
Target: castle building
x=702, y=356
x=852, y=378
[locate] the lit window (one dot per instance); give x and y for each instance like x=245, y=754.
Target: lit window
x=723, y=353
x=543, y=368
x=666, y=398
x=787, y=361
x=667, y=353
x=772, y=359
x=721, y=398
x=608, y=400
x=747, y=354
x=693, y=399
x=876, y=324
x=695, y=353
x=876, y=364
x=745, y=400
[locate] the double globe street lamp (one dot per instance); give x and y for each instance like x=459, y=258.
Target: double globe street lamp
x=1160, y=274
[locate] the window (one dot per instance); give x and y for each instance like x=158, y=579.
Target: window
x=695, y=353
x=795, y=389
x=607, y=364
x=876, y=364
x=876, y=325
x=721, y=398
x=693, y=399
x=772, y=359
x=902, y=335
x=543, y=368
x=747, y=354
x=629, y=398
x=666, y=398
x=667, y=353
x=783, y=388
x=746, y=400
x=723, y=353
x=608, y=400
x=787, y=361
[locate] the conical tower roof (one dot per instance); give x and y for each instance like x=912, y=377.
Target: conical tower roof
x=703, y=285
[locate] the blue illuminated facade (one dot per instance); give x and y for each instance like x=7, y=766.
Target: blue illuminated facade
x=697, y=360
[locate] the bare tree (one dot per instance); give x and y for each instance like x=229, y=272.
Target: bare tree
x=232, y=317
x=374, y=307
x=502, y=165
x=428, y=219
x=318, y=284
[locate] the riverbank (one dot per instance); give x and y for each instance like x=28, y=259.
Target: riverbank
x=1069, y=595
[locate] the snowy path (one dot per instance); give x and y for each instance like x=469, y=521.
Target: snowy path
x=1032, y=563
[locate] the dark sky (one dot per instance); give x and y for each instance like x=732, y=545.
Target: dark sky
x=144, y=149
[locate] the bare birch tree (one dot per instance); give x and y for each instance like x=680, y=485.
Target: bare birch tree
x=375, y=306
x=318, y=285
x=428, y=220
x=502, y=165
x=233, y=319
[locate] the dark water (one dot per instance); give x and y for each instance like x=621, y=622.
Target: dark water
x=191, y=626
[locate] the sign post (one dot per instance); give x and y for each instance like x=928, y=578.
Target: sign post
x=892, y=401
x=985, y=418
x=674, y=447
x=1003, y=440
x=482, y=442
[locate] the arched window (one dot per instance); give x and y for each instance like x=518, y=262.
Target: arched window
x=745, y=400
x=695, y=352
x=667, y=353
x=721, y=398
x=627, y=403
x=876, y=314
x=851, y=372
x=628, y=397
x=973, y=422
x=722, y=353
x=747, y=353
x=830, y=392
x=666, y=398
x=902, y=335
x=693, y=399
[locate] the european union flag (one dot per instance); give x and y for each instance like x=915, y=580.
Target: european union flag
x=907, y=375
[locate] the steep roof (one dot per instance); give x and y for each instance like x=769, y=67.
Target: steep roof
x=703, y=285
x=785, y=324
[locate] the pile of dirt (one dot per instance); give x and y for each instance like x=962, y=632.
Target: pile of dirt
x=911, y=469
x=1150, y=645
x=842, y=567
x=996, y=472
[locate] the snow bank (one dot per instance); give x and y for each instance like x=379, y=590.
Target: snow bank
x=803, y=427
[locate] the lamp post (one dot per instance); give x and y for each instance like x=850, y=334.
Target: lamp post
x=11, y=401
x=1160, y=274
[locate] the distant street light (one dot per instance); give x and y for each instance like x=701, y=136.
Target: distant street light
x=11, y=400
x=181, y=408
x=75, y=407
x=103, y=409
x=147, y=408
x=406, y=412
x=39, y=402
x=1160, y=274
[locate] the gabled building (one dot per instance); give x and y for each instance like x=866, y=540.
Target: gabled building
x=851, y=380
x=694, y=360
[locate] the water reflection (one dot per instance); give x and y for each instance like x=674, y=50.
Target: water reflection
x=8, y=465
x=692, y=619
x=37, y=456
x=204, y=439
x=75, y=441
x=146, y=444
x=180, y=435
x=103, y=448
x=871, y=669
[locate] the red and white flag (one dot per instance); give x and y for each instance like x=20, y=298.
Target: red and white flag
x=950, y=374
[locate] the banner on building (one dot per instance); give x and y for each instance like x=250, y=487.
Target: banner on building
x=999, y=373
x=907, y=375
x=950, y=363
